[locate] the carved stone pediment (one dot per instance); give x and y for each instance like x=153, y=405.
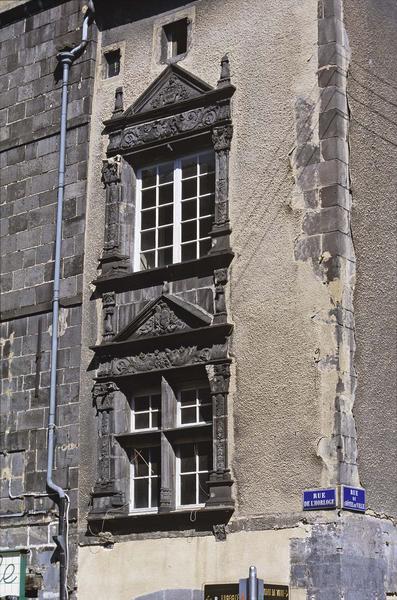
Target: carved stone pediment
x=172, y=86
x=166, y=315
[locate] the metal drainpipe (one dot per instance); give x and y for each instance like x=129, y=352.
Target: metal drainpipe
x=66, y=58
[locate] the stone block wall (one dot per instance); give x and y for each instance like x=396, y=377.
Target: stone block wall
x=30, y=96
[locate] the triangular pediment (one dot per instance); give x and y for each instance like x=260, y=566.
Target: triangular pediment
x=166, y=315
x=172, y=86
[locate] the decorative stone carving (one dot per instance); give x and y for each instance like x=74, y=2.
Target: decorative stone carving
x=174, y=91
x=166, y=359
x=220, y=280
x=118, y=102
x=111, y=170
x=219, y=532
x=163, y=321
x=222, y=137
x=108, y=303
x=103, y=396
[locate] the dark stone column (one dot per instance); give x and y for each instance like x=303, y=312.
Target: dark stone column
x=221, y=138
x=220, y=481
x=220, y=280
x=108, y=305
x=113, y=260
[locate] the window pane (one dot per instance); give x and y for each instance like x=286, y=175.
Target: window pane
x=142, y=420
x=188, y=415
x=166, y=172
x=148, y=218
x=189, y=167
x=206, y=206
x=148, y=240
x=207, y=162
x=141, y=403
x=166, y=194
x=141, y=493
x=188, y=397
x=148, y=198
x=207, y=184
x=165, y=257
x=189, y=188
x=141, y=462
x=204, y=395
x=189, y=252
x=155, y=492
x=148, y=260
x=189, y=231
x=188, y=459
x=165, y=215
x=156, y=420
x=188, y=489
x=204, y=452
x=205, y=247
x=156, y=400
x=149, y=177
x=203, y=488
x=205, y=413
x=205, y=227
x=155, y=461
x=165, y=236
x=189, y=209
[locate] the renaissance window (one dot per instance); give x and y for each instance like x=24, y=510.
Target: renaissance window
x=146, y=412
x=174, y=211
x=193, y=466
x=145, y=469
x=194, y=406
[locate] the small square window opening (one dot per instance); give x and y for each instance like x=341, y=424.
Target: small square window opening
x=175, y=39
x=112, y=63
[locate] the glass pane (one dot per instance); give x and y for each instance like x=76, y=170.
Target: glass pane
x=149, y=177
x=204, y=395
x=188, y=415
x=141, y=462
x=148, y=219
x=156, y=420
x=166, y=172
x=166, y=194
x=156, y=400
x=189, y=188
x=189, y=209
x=155, y=461
x=189, y=231
x=141, y=493
x=205, y=413
x=142, y=420
x=148, y=260
x=207, y=184
x=141, y=403
x=205, y=226
x=188, y=489
x=189, y=252
x=188, y=458
x=166, y=215
x=148, y=240
x=205, y=247
x=203, y=488
x=206, y=206
x=148, y=198
x=155, y=492
x=204, y=452
x=207, y=162
x=188, y=397
x=165, y=237
x=165, y=257
x=189, y=167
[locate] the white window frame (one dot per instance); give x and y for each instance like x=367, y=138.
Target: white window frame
x=197, y=405
x=149, y=509
x=177, y=211
x=197, y=472
x=150, y=411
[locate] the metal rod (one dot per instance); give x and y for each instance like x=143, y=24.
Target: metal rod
x=252, y=584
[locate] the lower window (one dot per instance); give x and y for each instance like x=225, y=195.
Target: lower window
x=193, y=466
x=145, y=473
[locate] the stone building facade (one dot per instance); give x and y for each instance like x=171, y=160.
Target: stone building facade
x=226, y=337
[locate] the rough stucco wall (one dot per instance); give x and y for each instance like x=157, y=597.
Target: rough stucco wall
x=272, y=297
x=372, y=93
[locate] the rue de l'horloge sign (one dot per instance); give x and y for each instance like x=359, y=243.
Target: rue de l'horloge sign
x=345, y=497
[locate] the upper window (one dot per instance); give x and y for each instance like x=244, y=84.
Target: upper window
x=174, y=40
x=174, y=211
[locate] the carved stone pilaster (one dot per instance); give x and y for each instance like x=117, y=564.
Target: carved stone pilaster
x=108, y=304
x=220, y=280
x=221, y=139
x=220, y=481
x=105, y=493
x=112, y=258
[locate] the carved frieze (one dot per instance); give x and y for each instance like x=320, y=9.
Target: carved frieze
x=162, y=321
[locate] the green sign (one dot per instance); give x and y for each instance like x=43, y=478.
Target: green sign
x=12, y=574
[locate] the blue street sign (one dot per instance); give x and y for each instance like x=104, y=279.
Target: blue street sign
x=319, y=499
x=353, y=498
